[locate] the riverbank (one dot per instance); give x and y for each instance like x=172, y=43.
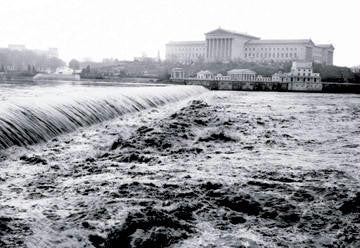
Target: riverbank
x=324, y=87
x=226, y=169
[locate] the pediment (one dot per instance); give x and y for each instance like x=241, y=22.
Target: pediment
x=220, y=31
x=224, y=32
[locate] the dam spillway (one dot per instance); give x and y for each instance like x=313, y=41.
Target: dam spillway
x=30, y=120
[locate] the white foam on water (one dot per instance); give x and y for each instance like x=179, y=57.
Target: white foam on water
x=29, y=120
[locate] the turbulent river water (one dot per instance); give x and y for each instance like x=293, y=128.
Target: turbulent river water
x=175, y=166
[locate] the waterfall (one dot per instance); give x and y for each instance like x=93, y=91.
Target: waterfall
x=29, y=121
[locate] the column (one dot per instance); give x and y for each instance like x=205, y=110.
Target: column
x=207, y=49
x=216, y=48
x=230, y=47
x=211, y=49
x=226, y=48
x=220, y=49
x=223, y=48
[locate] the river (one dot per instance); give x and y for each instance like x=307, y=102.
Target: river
x=110, y=165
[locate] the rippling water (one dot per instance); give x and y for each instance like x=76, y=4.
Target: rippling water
x=32, y=114
x=218, y=169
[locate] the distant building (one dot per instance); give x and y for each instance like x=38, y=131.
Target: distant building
x=220, y=77
x=242, y=75
x=276, y=77
x=224, y=45
x=185, y=52
x=205, y=75
x=53, y=52
x=301, y=72
x=177, y=73
x=323, y=54
x=16, y=47
x=64, y=70
x=260, y=78
x=355, y=69
x=50, y=53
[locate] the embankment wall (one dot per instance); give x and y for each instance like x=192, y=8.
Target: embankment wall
x=274, y=86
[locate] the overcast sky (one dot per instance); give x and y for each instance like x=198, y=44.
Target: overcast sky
x=123, y=29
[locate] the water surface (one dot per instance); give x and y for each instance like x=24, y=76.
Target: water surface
x=217, y=169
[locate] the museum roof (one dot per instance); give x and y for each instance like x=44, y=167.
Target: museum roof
x=182, y=43
x=325, y=45
x=221, y=31
x=288, y=41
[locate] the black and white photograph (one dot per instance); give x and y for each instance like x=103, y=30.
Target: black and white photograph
x=179, y=124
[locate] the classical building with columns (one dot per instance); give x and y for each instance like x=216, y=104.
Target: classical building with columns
x=221, y=45
x=242, y=75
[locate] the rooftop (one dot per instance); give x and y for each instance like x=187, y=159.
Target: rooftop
x=325, y=46
x=224, y=31
x=190, y=43
x=241, y=71
x=205, y=72
x=290, y=41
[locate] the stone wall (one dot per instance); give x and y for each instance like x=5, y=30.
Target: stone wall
x=308, y=86
x=276, y=86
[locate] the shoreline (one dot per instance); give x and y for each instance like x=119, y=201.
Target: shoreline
x=326, y=87
x=323, y=87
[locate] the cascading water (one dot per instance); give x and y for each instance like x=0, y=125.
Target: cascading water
x=26, y=121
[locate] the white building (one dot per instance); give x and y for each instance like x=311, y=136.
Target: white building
x=276, y=76
x=242, y=75
x=64, y=71
x=355, y=69
x=50, y=52
x=221, y=77
x=301, y=72
x=177, y=73
x=223, y=45
x=204, y=75
x=17, y=47
x=260, y=78
x=185, y=52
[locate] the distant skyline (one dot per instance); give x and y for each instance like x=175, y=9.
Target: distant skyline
x=126, y=29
